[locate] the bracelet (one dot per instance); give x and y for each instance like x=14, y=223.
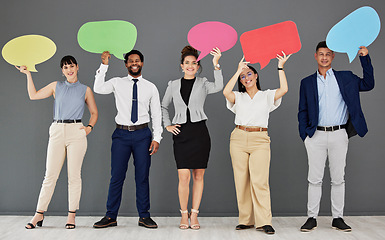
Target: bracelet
x=92, y=128
x=281, y=69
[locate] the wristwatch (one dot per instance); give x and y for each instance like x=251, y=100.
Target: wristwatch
x=217, y=66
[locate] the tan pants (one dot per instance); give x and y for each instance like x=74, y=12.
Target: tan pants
x=250, y=154
x=64, y=139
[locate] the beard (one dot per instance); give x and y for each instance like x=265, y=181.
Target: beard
x=138, y=71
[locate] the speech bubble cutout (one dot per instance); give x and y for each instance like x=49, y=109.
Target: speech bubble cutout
x=360, y=28
x=28, y=50
x=208, y=35
x=263, y=44
x=116, y=36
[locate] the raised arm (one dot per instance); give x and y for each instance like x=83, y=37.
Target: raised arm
x=283, y=88
x=217, y=85
x=91, y=104
x=45, y=92
x=367, y=81
x=228, y=90
x=100, y=85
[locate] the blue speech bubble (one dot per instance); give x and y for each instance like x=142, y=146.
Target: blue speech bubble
x=360, y=28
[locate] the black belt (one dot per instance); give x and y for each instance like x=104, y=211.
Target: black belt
x=68, y=121
x=331, y=128
x=133, y=127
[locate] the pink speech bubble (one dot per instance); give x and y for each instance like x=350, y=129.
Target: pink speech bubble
x=208, y=35
x=262, y=44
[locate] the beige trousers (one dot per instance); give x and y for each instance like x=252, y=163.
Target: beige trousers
x=250, y=154
x=64, y=139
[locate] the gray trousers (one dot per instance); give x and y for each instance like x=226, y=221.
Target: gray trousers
x=332, y=146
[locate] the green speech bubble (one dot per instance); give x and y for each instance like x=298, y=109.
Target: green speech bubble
x=116, y=36
x=28, y=50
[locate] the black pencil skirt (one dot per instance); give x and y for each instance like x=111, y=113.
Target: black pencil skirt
x=192, y=146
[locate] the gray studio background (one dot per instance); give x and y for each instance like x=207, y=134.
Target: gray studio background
x=162, y=33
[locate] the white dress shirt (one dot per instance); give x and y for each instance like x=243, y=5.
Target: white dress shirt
x=148, y=99
x=253, y=112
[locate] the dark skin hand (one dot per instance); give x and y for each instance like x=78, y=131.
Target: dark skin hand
x=153, y=147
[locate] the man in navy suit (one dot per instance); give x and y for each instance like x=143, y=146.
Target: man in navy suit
x=135, y=99
x=329, y=113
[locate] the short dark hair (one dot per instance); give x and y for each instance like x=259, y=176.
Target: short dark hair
x=242, y=88
x=67, y=60
x=133, y=52
x=322, y=45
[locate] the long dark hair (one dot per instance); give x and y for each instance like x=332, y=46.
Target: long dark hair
x=242, y=88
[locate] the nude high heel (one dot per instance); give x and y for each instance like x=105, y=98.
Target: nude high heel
x=195, y=226
x=182, y=225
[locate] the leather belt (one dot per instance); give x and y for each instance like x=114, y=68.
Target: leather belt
x=331, y=128
x=251, y=129
x=133, y=127
x=68, y=121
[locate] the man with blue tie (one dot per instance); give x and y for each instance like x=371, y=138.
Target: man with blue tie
x=134, y=97
x=329, y=113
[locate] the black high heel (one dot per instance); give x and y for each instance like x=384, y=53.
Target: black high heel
x=39, y=223
x=70, y=225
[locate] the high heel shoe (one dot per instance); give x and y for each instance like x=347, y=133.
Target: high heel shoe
x=70, y=225
x=39, y=223
x=195, y=226
x=182, y=225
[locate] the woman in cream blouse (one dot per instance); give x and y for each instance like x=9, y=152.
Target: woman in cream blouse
x=250, y=143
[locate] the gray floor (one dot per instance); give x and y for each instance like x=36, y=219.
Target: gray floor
x=364, y=228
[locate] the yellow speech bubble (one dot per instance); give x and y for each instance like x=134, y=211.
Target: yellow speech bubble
x=28, y=50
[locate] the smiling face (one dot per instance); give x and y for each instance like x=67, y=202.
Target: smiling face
x=324, y=57
x=190, y=66
x=248, y=78
x=134, y=65
x=70, y=71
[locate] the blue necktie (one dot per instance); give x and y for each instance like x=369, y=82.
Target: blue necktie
x=134, y=108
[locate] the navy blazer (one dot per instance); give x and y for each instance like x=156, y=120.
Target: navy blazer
x=350, y=85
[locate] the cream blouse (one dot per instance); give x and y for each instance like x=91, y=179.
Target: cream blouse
x=253, y=111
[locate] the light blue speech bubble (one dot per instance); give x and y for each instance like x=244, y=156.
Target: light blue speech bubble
x=360, y=28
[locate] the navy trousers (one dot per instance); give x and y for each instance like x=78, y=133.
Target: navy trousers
x=124, y=143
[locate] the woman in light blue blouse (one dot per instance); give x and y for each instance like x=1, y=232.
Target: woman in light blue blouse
x=67, y=136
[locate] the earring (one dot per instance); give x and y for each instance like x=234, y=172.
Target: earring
x=182, y=70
